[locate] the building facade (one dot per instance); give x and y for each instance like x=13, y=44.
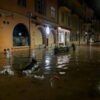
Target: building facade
x=64, y=26
x=28, y=24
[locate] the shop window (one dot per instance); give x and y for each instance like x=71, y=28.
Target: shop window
x=61, y=37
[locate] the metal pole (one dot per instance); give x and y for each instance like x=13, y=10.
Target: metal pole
x=29, y=16
x=79, y=38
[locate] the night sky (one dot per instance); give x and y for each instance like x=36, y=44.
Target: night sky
x=95, y=5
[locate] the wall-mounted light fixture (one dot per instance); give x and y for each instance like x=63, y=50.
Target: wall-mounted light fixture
x=47, y=30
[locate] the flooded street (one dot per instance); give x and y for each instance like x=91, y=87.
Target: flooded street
x=71, y=76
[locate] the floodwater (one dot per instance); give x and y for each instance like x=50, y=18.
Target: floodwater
x=71, y=76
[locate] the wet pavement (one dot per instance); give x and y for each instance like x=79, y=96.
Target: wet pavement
x=74, y=75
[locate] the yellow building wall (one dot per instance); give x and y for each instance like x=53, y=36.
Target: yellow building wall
x=5, y=33
x=51, y=40
x=13, y=15
x=38, y=38
x=14, y=7
x=6, y=30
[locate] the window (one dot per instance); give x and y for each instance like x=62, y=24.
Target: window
x=52, y=12
x=62, y=17
x=21, y=3
x=40, y=6
x=69, y=20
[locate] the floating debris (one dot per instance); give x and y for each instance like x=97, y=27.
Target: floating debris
x=7, y=70
x=65, y=67
x=51, y=83
x=62, y=73
x=30, y=71
x=55, y=77
x=39, y=77
x=64, y=59
x=47, y=67
x=60, y=66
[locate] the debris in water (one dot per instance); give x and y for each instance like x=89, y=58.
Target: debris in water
x=7, y=70
x=62, y=73
x=39, y=77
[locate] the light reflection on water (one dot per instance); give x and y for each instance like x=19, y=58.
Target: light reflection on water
x=48, y=63
x=7, y=70
x=72, y=72
x=63, y=59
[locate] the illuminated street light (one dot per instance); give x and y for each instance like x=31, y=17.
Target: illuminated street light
x=86, y=33
x=47, y=34
x=47, y=30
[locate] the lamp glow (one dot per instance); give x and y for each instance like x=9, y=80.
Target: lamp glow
x=47, y=30
x=20, y=34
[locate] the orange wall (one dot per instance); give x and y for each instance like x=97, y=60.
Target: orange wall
x=15, y=14
x=6, y=30
x=12, y=6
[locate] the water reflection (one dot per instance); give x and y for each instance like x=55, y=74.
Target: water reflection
x=61, y=73
x=7, y=70
x=48, y=68
x=53, y=80
x=62, y=61
x=7, y=67
x=98, y=86
x=40, y=77
x=47, y=60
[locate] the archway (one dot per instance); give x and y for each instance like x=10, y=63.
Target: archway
x=41, y=29
x=21, y=35
x=50, y=39
x=38, y=38
x=41, y=37
x=46, y=40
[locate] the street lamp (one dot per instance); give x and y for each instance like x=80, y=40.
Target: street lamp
x=29, y=14
x=87, y=37
x=47, y=34
x=47, y=30
x=78, y=37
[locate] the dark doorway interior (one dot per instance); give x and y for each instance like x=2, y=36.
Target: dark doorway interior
x=21, y=35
